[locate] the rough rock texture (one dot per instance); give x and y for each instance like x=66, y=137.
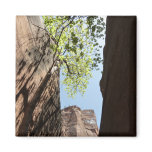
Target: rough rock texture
x=77, y=122
x=37, y=88
x=118, y=83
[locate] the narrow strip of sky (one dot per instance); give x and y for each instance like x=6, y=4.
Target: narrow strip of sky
x=93, y=97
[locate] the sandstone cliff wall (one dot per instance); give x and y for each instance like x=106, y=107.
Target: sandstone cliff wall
x=118, y=83
x=37, y=90
x=77, y=122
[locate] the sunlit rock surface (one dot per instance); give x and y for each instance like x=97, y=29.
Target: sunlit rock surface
x=37, y=90
x=77, y=122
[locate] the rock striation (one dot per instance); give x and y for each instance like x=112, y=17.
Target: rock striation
x=37, y=89
x=77, y=122
x=118, y=83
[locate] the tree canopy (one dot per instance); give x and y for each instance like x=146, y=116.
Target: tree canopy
x=75, y=48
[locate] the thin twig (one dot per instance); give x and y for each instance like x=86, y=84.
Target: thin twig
x=46, y=31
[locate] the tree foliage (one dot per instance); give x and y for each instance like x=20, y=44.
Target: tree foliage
x=75, y=48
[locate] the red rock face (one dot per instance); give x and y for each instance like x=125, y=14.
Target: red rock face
x=118, y=83
x=77, y=122
x=37, y=90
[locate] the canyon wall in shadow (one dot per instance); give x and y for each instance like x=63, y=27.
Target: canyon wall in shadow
x=37, y=89
x=118, y=83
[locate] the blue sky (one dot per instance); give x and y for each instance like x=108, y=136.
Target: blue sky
x=92, y=99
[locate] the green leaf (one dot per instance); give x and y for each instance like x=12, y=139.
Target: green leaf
x=76, y=47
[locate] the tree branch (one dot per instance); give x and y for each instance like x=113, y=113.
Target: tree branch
x=62, y=24
x=68, y=67
x=52, y=37
x=61, y=34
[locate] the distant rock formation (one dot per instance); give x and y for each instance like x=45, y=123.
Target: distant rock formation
x=77, y=122
x=37, y=89
x=118, y=83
